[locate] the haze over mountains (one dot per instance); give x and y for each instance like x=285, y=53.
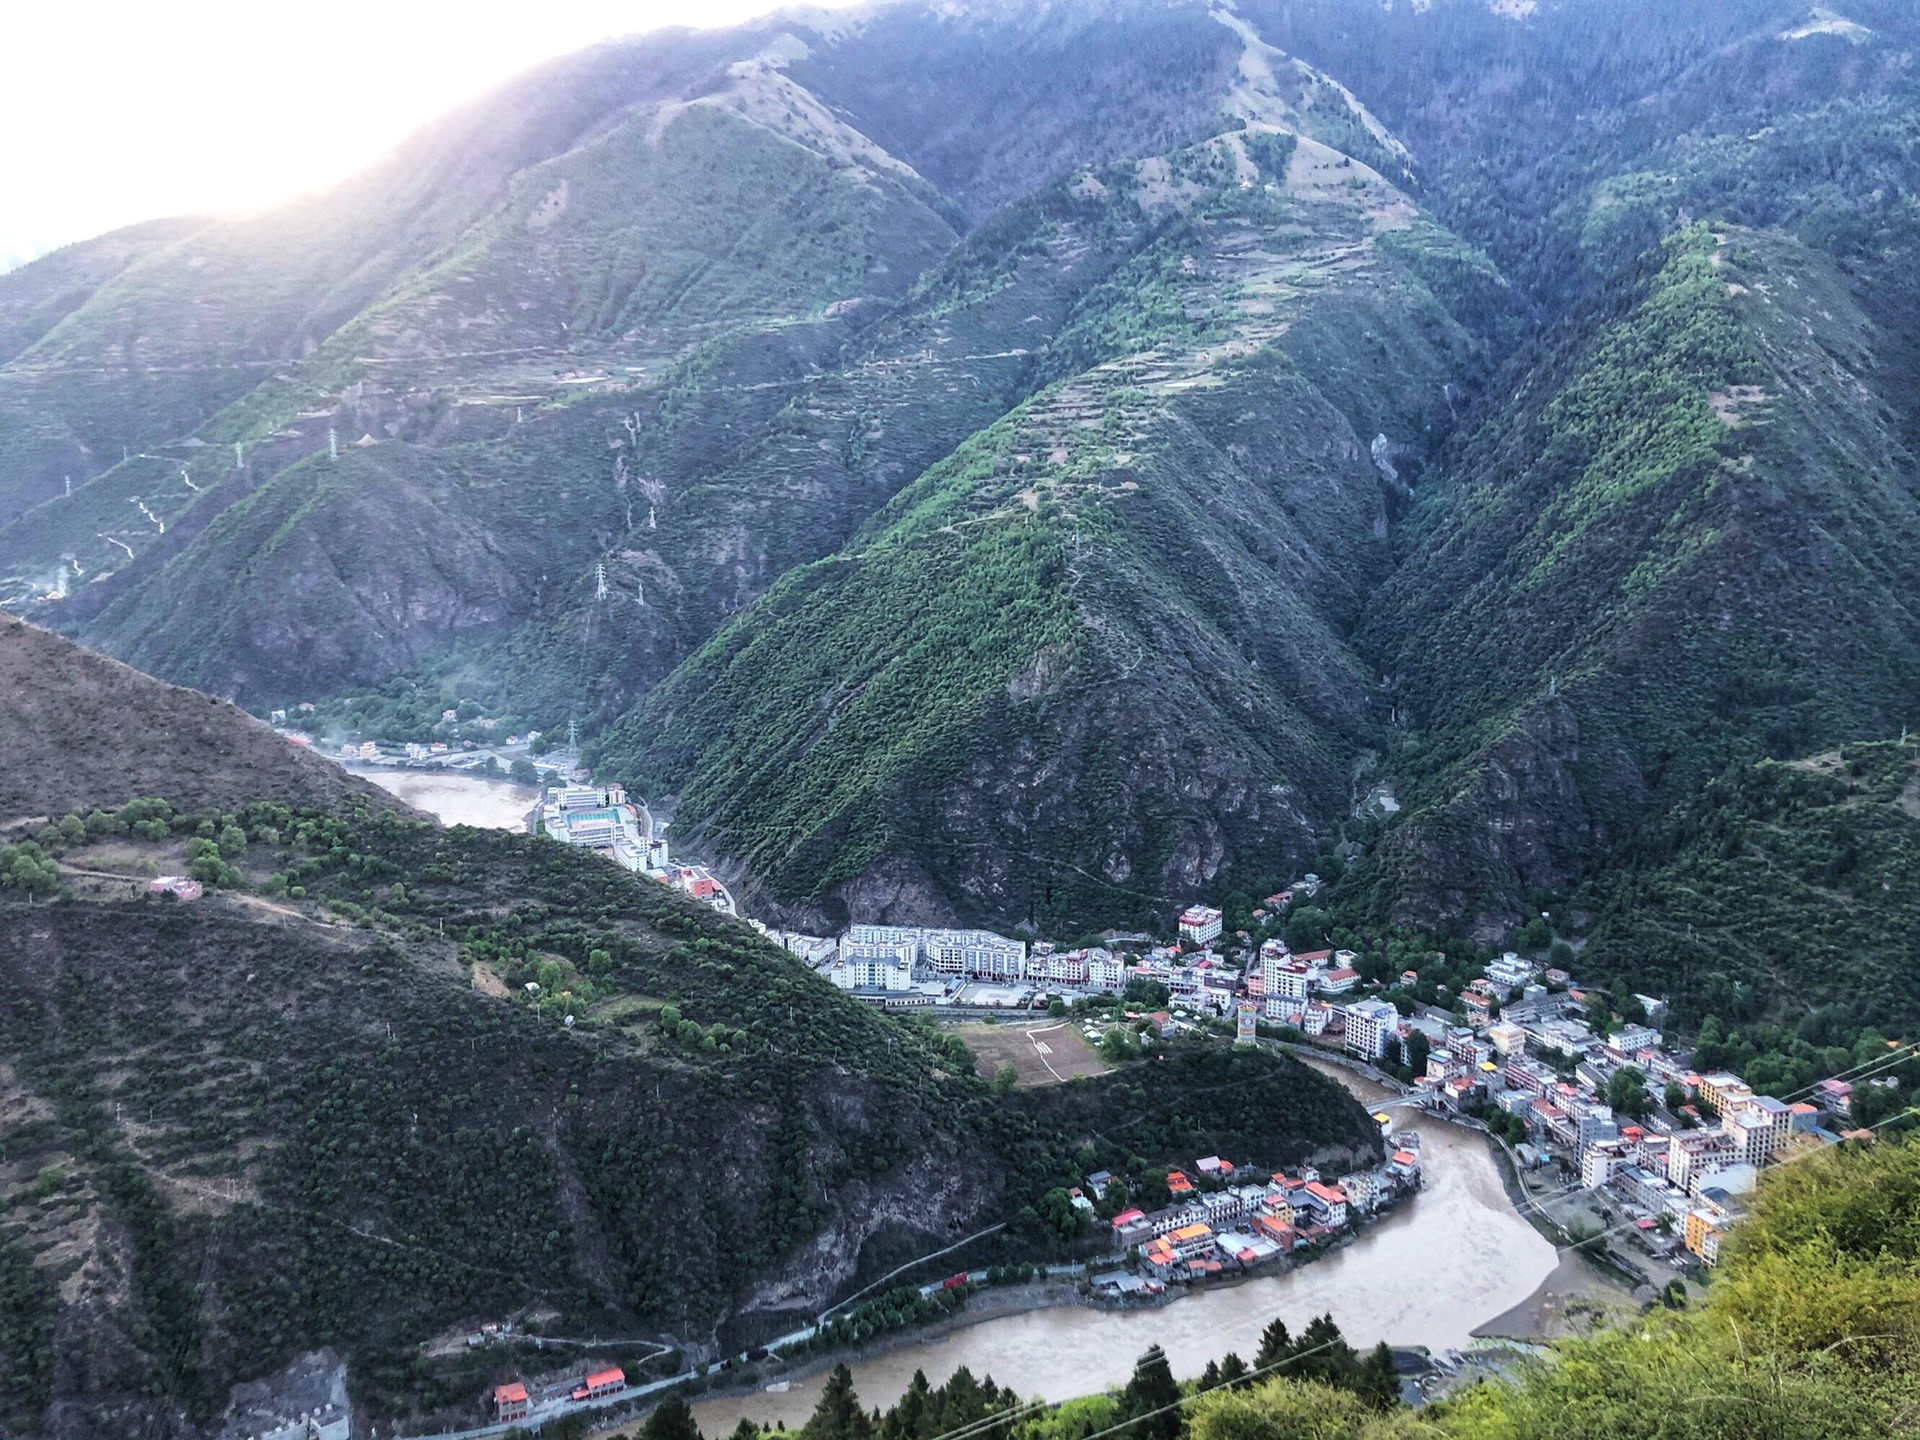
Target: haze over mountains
x=1029, y=463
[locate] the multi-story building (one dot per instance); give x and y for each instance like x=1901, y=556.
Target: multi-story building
x=1192, y=1242
x=1758, y=1129
x=1592, y=1124
x=1371, y=1026
x=1326, y=1204
x=1507, y=1039
x=1285, y=983
x=880, y=942
x=978, y=954
x=1720, y=1092
x=1200, y=924
x=872, y=972
x=1510, y=972
x=1224, y=1208
x=1527, y=1077
x=1629, y=1040
x=1066, y=967
x=1600, y=1161
x=1692, y=1154
x=1338, y=982
x=1106, y=972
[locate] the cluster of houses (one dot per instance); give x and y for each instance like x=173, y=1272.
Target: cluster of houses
x=602, y=818
x=902, y=966
x=1680, y=1176
x=1222, y=1223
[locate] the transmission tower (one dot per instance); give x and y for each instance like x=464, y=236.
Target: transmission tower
x=333, y=443
x=600, y=581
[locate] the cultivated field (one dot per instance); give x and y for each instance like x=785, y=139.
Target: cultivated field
x=1043, y=1054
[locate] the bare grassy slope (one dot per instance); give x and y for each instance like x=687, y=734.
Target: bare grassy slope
x=80, y=731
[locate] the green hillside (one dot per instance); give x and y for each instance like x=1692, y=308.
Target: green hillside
x=1096, y=654
x=699, y=322
x=1688, y=542
x=331, y=1111
x=1781, y=901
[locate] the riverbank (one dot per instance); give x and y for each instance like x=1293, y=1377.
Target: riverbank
x=455, y=799
x=1454, y=1257
x=1576, y=1297
x=997, y=1302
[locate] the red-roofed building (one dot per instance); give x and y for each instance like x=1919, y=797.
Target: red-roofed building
x=1326, y=1203
x=600, y=1382
x=1338, y=982
x=1276, y=1230
x=510, y=1402
x=1131, y=1227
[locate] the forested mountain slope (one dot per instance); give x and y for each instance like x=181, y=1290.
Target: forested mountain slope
x=1781, y=901
x=1097, y=655
x=1691, y=539
x=384, y=1079
x=702, y=317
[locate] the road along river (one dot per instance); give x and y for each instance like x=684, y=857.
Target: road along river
x=455, y=799
x=1452, y=1259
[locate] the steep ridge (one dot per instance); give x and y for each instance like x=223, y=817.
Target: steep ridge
x=1095, y=655
x=385, y=1081
x=79, y=731
x=160, y=346
x=1691, y=539
x=670, y=263
x=438, y=518
x=1781, y=901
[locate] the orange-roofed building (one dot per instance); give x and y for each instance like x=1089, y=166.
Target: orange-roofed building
x=1191, y=1242
x=1273, y=1228
x=600, y=1382
x=510, y=1401
x=1178, y=1183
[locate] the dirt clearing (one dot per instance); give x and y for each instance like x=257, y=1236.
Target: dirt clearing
x=1041, y=1054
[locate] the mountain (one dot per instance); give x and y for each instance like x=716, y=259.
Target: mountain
x=1690, y=540
x=83, y=732
x=1780, y=902
x=386, y=1081
x=664, y=390
x=1097, y=652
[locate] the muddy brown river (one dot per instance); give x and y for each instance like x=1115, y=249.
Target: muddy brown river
x=1452, y=1259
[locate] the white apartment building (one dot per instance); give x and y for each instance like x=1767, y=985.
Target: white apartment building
x=1371, y=1027
x=977, y=954
x=1106, y=972
x=1200, y=924
x=1065, y=967
x=880, y=942
x=873, y=972
x=1286, y=981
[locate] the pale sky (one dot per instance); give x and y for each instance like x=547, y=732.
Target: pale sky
x=121, y=111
